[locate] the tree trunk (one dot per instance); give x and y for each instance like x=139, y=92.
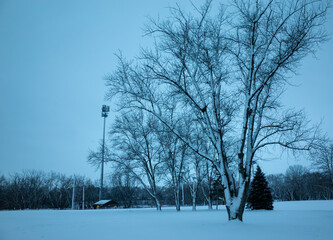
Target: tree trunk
x=235, y=213
x=176, y=193
x=210, y=203
x=158, y=205
x=194, y=204
x=177, y=200
x=236, y=205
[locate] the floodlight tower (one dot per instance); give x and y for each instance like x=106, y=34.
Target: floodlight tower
x=105, y=111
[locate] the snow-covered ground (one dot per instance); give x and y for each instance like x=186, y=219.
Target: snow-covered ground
x=289, y=220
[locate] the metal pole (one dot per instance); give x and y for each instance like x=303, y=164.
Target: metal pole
x=102, y=163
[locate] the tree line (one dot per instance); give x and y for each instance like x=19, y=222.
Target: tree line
x=40, y=190
x=299, y=183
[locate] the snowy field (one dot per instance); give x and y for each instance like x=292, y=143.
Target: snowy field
x=290, y=220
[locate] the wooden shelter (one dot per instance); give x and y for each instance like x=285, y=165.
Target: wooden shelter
x=102, y=204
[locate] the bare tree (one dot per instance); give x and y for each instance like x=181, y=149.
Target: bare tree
x=277, y=184
x=200, y=173
x=175, y=155
x=124, y=186
x=95, y=157
x=294, y=178
x=137, y=150
x=59, y=190
x=27, y=190
x=193, y=177
x=227, y=73
x=322, y=156
x=207, y=184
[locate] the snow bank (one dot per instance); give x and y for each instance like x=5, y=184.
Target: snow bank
x=289, y=220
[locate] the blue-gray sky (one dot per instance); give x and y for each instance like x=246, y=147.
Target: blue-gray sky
x=53, y=57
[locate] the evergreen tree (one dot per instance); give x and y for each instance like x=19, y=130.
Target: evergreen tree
x=260, y=195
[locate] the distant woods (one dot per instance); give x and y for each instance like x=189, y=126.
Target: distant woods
x=39, y=190
x=299, y=183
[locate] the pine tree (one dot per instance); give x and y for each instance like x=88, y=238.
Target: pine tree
x=260, y=195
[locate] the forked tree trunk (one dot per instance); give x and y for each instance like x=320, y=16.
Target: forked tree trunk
x=236, y=204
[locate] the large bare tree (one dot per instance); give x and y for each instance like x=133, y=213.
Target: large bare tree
x=226, y=70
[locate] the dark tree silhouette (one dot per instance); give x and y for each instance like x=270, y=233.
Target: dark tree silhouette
x=260, y=195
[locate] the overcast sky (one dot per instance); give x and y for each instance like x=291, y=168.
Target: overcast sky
x=53, y=58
